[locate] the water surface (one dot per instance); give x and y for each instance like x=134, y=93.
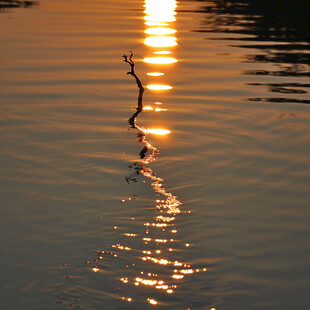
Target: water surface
x=201, y=201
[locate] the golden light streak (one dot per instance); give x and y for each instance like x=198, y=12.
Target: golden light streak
x=156, y=224
x=160, y=10
x=152, y=301
x=160, y=60
x=162, y=52
x=159, y=285
x=155, y=73
x=156, y=24
x=161, y=41
x=159, y=87
x=160, y=6
x=177, y=276
x=186, y=271
x=121, y=247
x=130, y=235
x=159, y=13
x=124, y=280
x=160, y=31
x=128, y=299
x=148, y=108
x=158, y=18
x=165, y=218
x=159, y=131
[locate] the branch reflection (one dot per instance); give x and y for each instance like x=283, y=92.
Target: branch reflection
x=159, y=239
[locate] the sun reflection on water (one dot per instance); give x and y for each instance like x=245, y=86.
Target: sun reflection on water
x=155, y=73
x=160, y=17
x=160, y=31
x=156, y=24
x=156, y=251
x=162, y=52
x=160, y=60
x=159, y=87
x=160, y=41
x=160, y=269
x=149, y=108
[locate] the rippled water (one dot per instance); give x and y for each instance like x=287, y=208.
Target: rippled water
x=200, y=201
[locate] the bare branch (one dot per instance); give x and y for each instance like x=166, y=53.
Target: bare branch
x=128, y=59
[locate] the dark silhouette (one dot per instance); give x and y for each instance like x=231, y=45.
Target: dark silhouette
x=268, y=21
x=275, y=20
x=132, y=120
x=139, y=166
x=8, y=4
x=278, y=29
x=140, y=86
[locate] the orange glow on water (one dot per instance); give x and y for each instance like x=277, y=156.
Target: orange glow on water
x=160, y=60
x=159, y=87
x=160, y=31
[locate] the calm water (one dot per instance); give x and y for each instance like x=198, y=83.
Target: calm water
x=201, y=201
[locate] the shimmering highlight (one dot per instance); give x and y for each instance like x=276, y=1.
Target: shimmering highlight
x=158, y=131
x=162, y=52
x=160, y=31
x=155, y=24
x=160, y=60
x=155, y=73
x=161, y=41
x=159, y=87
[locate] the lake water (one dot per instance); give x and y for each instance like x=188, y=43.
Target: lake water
x=201, y=201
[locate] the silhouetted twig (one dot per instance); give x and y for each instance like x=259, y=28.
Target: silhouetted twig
x=129, y=60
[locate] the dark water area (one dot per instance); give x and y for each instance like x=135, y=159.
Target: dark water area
x=277, y=30
x=178, y=179
x=9, y=4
